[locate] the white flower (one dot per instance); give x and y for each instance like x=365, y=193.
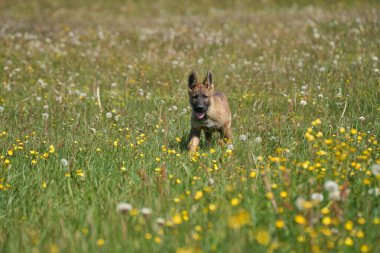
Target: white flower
x=318, y=197
x=124, y=207
x=64, y=162
x=146, y=211
x=93, y=130
x=117, y=117
x=362, y=118
x=160, y=221
x=258, y=139
x=299, y=203
x=331, y=186
x=109, y=115
x=374, y=191
x=335, y=195
x=320, y=95
x=38, y=99
x=45, y=115
x=58, y=99
x=243, y=137
x=375, y=169
x=374, y=58
x=46, y=107
x=113, y=85
x=1, y=109
x=231, y=147
x=303, y=102
x=211, y=181
x=174, y=108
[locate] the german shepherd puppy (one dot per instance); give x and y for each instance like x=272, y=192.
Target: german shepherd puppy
x=210, y=113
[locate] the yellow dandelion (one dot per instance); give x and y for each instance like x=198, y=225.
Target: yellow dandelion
x=364, y=248
x=239, y=220
x=235, y=201
x=300, y=219
x=212, y=207
x=100, y=242
x=177, y=219
x=348, y=241
x=198, y=195
x=262, y=237
x=279, y=223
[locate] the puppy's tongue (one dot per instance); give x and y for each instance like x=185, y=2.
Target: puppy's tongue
x=199, y=115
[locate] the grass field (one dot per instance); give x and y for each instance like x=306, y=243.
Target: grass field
x=94, y=119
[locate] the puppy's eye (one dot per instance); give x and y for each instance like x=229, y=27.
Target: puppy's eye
x=194, y=96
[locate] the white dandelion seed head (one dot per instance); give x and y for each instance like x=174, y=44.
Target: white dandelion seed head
x=331, y=186
x=109, y=115
x=175, y=108
x=243, y=137
x=64, y=162
x=160, y=221
x=38, y=99
x=46, y=107
x=1, y=109
x=318, y=197
x=258, y=139
x=123, y=207
x=374, y=191
x=375, y=168
x=303, y=102
x=231, y=147
x=113, y=85
x=146, y=211
x=93, y=130
x=300, y=203
x=211, y=181
x=117, y=117
x=334, y=195
x=361, y=118
x=45, y=115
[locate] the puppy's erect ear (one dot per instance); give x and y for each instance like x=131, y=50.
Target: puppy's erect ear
x=193, y=79
x=208, y=80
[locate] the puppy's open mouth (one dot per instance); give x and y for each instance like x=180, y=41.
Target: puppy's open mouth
x=200, y=115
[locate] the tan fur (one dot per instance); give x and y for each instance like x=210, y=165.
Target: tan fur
x=218, y=117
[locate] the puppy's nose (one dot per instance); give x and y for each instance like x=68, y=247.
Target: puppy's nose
x=200, y=107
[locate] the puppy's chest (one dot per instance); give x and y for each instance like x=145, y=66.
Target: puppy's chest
x=209, y=124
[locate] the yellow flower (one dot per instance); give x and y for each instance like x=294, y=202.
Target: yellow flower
x=283, y=194
x=198, y=195
x=148, y=236
x=300, y=219
x=326, y=221
x=100, y=242
x=235, y=201
x=177, y=219
x=239, y=220
x=348, y=225
x=348, y=241
x=361, y=220
x=364, y=248
x=262, y=237
x=157, y=240
x=353, y=131
x=252, y=174
x=279, y=223
x=51, y=149
x=212, y=207
x=10, y=152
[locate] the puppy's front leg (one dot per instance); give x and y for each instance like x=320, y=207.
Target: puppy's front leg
x=194, y=138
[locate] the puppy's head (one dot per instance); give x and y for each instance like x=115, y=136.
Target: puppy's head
x=200, y=94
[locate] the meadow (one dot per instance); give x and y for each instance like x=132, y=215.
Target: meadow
x=94, y=120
